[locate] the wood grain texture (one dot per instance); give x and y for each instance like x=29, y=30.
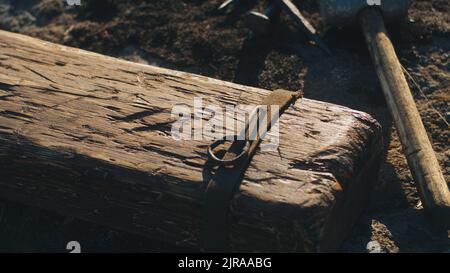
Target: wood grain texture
x=422, y=161
x=89, y=136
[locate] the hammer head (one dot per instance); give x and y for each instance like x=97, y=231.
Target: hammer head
x=340, y=13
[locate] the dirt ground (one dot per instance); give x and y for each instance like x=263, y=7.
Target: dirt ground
x=190, y=35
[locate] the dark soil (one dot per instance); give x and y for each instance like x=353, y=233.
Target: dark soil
x=190, y=35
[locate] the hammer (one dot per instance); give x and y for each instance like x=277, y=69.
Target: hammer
x=422, y=161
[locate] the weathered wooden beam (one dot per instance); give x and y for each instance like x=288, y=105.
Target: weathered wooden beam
x=90, y=136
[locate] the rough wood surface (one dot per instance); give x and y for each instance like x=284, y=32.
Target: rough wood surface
x=89, y=135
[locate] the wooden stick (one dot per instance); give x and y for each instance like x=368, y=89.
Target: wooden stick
x=419, y=153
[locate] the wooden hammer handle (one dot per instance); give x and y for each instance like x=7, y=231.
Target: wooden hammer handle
x=419, y=153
